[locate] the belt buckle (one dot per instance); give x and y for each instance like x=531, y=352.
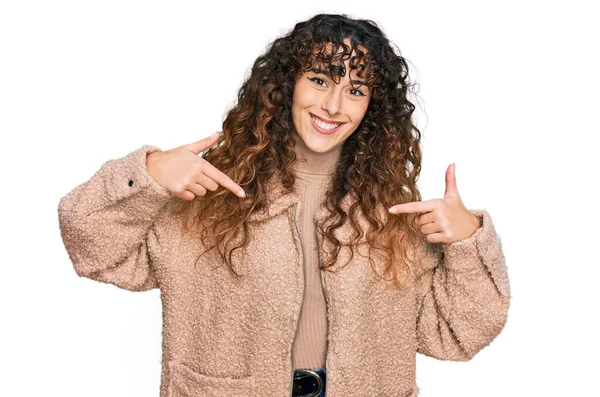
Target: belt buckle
x=317, y=377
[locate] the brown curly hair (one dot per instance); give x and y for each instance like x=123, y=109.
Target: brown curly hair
x=381, y=158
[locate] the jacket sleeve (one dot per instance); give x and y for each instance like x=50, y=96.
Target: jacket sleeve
x=107, y=223
x=463, y=296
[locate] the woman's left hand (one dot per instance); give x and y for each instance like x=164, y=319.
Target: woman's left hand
x=444, y=220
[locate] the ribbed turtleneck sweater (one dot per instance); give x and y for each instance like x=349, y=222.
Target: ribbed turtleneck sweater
x=313, y=172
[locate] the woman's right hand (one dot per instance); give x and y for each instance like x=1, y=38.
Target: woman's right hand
x=186, y=175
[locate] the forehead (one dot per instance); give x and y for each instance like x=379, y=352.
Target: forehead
x=336, y=58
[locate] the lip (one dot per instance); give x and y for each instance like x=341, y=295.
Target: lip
x=319, y=129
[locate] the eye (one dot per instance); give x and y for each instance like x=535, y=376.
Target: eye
x=360, y=93
x=322, y=83
x=316, y=80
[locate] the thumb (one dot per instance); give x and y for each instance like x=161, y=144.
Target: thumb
x=451, y=189
x=202, y=144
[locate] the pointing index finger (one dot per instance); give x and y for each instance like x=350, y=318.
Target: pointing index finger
x=215, y=174
x=415, y=206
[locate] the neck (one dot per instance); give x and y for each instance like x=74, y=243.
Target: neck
x=309, y=162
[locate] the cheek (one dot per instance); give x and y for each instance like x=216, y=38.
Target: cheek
x=296, y=97
x=358, y=113
x=305, y=96
x=299, y=93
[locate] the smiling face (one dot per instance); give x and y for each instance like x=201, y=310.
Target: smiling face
x=326, y=113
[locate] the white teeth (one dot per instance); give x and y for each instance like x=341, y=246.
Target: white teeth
x=324, y=125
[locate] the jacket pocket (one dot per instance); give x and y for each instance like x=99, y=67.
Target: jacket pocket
x=187, y=382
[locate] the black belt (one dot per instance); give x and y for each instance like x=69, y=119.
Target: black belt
x=308, y=383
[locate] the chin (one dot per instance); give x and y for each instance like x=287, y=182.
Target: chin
x=319, y=148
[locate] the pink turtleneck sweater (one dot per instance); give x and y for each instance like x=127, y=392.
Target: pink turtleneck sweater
x=313, y=172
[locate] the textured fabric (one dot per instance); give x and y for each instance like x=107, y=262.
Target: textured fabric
x=313, y=174
x=224, y=336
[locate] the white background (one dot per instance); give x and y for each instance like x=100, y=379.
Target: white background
x=508, y=91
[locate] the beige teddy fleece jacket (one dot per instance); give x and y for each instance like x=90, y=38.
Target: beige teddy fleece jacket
x=224, y=336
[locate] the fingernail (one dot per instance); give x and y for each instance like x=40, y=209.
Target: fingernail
x=214, y=135
x=241, y=193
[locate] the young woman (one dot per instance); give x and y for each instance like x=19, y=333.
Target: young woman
x=293, y=252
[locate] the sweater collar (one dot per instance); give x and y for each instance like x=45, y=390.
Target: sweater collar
x=311, y=165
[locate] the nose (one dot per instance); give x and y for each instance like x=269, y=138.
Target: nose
x=332, y=101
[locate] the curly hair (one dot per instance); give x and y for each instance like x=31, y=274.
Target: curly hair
x=381, y=159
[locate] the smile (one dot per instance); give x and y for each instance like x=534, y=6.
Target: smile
x=323, y=127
